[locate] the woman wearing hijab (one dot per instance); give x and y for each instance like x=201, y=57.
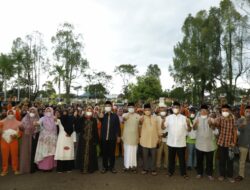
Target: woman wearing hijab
x=46, y=146
x=88, y=139
x=29, y=141
x=9, y=131
x=65, y=144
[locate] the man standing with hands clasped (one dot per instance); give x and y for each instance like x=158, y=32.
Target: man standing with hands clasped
x=110, y=135
x=178, y=126
x=130, y=138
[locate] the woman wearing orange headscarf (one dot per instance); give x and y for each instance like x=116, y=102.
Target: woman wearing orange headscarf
x=9, y=130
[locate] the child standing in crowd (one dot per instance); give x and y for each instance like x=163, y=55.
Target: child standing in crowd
x=191, y=136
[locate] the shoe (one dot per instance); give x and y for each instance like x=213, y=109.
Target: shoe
x=239, y=178
x=186, y=177
x=169, y=174
x=198, y=176
x=231, y=180
x=3, y=174
x=144, y=172
x=221, y=178
x=69, y=171
x=154, y=173
x=113, y=171
x=134, y=170
x=103, y=171
x=124, y=170
x=16, y=172
x=211, y=178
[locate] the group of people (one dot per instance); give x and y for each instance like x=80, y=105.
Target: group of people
x=64, y=138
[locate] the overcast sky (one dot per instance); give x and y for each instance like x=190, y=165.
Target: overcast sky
x=138, y=32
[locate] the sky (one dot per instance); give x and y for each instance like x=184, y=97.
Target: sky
x=115, y=32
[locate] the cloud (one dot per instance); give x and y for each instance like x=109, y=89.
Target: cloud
x=138, y=32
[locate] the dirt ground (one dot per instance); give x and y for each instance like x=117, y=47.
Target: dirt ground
x=120, y=181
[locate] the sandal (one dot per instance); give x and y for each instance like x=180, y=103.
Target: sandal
x=239, y=178
x=144, y=172
x=186, y=177
x=154, y=173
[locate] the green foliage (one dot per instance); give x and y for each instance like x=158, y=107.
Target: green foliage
x=154, y=71
x=96, y=90
x=146, y=89
x=68, y=50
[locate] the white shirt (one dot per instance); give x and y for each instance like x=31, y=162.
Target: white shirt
x=177, y=130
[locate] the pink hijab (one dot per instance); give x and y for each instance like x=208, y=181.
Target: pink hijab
x=27, y=122
x=48, y=122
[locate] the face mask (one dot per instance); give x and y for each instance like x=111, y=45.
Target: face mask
x=225, y=114
x=10, y=116
x=108, y=109
x=204, y=116
x=88, y=113
x=148, y=113
x=163, y=113
x=175, y=110
x=32, y=115
x=48, y=114
x=131, y=110
x=248, y=115
x=192, y=115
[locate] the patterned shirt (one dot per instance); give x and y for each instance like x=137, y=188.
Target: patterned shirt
x=226, y=131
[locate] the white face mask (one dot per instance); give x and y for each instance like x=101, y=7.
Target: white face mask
x=131, y=110
x=192, y=115
x=32, y=115
x=48, y=114
x=88, y=113
x=163, y=113
x=175, y=110
x=225, y=114
x=204, y=116
x=148, y=113
x=10, y=116
x=107, y=109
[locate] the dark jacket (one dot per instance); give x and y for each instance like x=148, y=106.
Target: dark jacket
x=114, y=127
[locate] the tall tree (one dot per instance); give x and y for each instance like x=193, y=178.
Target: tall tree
x=153, y=70
x=197, y=57
x=68, y=51
x=147, y=88
x=6, y=72
x=126, y=71
x=58, y=74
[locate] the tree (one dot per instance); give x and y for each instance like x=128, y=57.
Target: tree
x=96, y=90
x=197, y=57
x=126, y=71
x=68, y=51
x=29, y=60
x=49, y=89
x=58, y=74
x=154, y=71
x=6, y=72
x=147, y=88
x=98, y=84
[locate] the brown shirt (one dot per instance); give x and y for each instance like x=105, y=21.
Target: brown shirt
x=150, y=132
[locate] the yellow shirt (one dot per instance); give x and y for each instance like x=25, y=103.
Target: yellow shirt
x=150, y=132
